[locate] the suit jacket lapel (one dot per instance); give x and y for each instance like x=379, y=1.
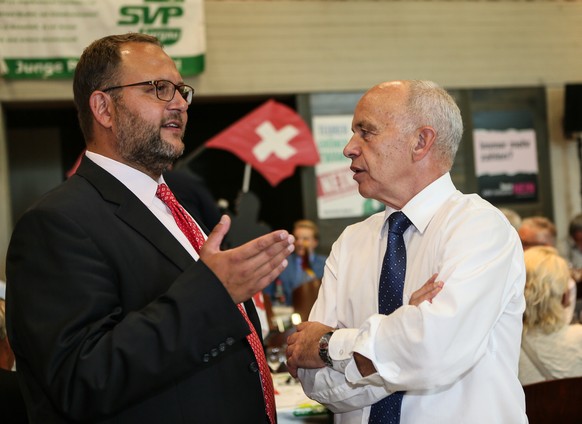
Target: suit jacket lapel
x=134, y=213
x=253, y=316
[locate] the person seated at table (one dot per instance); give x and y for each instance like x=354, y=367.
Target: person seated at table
x=512, y=216
x=304, y=264
x=550, y=347
x=575, y=247
x=540, y=231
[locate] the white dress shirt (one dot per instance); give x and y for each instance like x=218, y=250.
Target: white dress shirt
x=457, y=357
x=144, y=188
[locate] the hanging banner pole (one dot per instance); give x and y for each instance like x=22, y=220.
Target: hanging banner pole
x=247, y=178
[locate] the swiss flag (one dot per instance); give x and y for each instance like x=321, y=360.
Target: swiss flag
x=273, y=139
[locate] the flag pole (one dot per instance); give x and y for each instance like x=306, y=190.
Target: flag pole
x=184, y=161
x=246, y=178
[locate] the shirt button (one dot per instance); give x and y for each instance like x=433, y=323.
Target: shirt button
x=253, y=367
x=222, y=347
x=214, y=352
x=341, y=352
x=206, y=357
x=229, y=341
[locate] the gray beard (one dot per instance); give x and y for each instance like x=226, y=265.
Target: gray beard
x=139, y=143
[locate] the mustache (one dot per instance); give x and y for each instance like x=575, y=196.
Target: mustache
x=174, y=117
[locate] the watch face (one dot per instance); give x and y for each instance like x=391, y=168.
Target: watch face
x=323, y=349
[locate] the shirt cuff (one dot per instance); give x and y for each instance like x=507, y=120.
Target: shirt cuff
x=341, y=346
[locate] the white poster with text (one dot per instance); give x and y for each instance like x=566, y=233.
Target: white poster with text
x=337, y=192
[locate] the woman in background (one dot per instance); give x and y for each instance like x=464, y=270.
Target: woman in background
x=550, y=348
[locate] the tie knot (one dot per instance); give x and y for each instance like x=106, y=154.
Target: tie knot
x=398, y=223
x=163, y=192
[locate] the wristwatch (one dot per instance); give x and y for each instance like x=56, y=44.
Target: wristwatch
x=324, y=349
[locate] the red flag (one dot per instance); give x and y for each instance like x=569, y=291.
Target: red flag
x=273, y=139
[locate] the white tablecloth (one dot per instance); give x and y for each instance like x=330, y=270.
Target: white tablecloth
x=292, y=402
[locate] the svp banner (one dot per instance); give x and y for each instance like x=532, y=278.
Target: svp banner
x=43, y=39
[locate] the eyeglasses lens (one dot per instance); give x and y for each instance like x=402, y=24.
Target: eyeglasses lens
x=166, y=90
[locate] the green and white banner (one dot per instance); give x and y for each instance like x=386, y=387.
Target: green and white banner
x=43, y=39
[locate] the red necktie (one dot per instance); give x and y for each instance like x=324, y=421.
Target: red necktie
x=190, y=229
x=266, y=379
x=183, y=219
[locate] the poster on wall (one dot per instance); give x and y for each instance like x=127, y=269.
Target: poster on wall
x=506, y=164
x=43, y=39
x=337, y=192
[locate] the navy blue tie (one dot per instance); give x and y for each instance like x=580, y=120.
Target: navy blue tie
x=387, y=410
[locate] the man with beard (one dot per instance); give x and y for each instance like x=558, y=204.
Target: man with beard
x=115, y=314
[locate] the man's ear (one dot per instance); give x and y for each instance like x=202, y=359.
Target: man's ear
x=101, y=107
x=426, y=138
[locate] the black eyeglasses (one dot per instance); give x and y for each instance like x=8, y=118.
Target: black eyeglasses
x=165, y=90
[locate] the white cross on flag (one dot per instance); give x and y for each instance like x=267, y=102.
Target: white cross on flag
x=273, y=139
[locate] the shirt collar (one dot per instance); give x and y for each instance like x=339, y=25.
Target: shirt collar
x=422, y=207
x=140, y=184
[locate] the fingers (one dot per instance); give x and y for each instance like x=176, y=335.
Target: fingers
x=295, y=335
x=249, y=268
x=264, y=266
x=437, y=287
x=265, y=256
x=291, y=369
x=217, y=235
x=302, y=325
x=427, y=292
x=426, y=287
x=268, y=245
x=291, y=363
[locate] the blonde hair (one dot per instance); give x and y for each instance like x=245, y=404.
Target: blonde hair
x=547, y=276
x=306, y=223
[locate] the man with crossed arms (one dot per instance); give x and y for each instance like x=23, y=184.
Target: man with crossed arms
x=455, y=358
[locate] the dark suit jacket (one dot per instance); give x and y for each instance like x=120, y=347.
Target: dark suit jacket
x=12, y=409
x=194, y=195
x=112, y=321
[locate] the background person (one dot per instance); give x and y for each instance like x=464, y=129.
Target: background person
x=537, y=231
x=456, y=358
x=117, y=312
x=575, y=234
x=512, y=216
x=541, y=231
x=304, y=263
x=550, y=347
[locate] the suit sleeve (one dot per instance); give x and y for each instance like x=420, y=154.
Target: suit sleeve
x=100, y=345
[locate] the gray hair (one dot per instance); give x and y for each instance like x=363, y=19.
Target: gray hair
x=431, y=105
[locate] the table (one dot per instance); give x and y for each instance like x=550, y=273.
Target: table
x=290, y=398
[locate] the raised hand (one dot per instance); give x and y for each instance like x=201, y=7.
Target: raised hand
x=247, y=269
